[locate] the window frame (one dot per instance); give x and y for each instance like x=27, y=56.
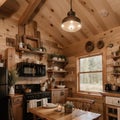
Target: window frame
x=103, y=71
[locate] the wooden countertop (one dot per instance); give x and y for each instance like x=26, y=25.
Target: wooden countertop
x=112, y=94
x=15, y=95
x=52, y=114
x=58, y=89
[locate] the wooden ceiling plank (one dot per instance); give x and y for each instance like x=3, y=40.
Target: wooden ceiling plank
x=112, y=19
x=111, y=11
x=57, y=17
x=81, y=14
x=45, y=25
x=50, y=17
x=29, y=11
x=82, y=32
x=92, y=10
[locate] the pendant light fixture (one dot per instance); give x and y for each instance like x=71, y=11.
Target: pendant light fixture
x=71, y=23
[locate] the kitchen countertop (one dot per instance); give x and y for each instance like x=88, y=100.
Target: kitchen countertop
x=16, y=95
x=112, y=94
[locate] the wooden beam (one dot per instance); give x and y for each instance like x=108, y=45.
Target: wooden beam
x=30, y=11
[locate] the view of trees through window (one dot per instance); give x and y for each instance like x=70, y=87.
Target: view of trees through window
x=90, y=74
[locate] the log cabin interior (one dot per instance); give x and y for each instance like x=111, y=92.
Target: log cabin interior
x=54, y=65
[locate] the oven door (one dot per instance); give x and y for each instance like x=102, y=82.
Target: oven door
x=33, y=103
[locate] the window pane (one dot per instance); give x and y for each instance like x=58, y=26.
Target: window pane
x=93, y=63
x=91, y=82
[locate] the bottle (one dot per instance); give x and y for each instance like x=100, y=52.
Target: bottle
x=20, y=44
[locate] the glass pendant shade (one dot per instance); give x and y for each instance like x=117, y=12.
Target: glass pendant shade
x=71, y=23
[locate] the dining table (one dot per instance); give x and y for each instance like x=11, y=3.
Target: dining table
x=53, y=114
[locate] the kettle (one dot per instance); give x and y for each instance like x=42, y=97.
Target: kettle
x=108, y=87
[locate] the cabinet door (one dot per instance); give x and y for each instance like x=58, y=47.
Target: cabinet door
x=17, y=108
x=111, y=112
x=59, y=96
x=18, y=112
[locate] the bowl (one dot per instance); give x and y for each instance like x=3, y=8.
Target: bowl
x=60, y=86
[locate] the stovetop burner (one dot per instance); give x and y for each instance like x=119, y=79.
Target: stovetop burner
x=35, y=91
x=37, y=95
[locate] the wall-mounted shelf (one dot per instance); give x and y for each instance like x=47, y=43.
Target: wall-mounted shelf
x=56, y=66
x=23, y=50
x=30, y=45
x=116, y=65
x=115, y=57
x=57, y=71
x=116, y=74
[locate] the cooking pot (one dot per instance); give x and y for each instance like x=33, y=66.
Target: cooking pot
x=28, y=90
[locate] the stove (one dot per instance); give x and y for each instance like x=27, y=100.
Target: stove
x=35, y=94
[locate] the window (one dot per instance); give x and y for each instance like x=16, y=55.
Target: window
x=90, y=74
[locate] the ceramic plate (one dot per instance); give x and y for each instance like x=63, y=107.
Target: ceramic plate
x=50, y=105
x=100, y=44
x=89, y=46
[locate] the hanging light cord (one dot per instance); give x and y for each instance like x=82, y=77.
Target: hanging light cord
x=70, y=4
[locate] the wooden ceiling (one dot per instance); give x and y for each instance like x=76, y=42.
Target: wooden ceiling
x=96, y=15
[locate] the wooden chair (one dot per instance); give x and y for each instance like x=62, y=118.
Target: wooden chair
x=81, y=103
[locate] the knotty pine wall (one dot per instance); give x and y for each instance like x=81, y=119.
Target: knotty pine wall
x=9, y=28
x=78, y=49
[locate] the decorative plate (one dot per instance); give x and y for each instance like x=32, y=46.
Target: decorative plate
x=50, y=105
x=100, y=44
x=89, y=46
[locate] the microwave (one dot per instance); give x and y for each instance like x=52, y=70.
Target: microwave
x=25, y=69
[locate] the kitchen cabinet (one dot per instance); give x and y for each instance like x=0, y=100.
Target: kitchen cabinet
x=59, y=95
x=112, y=108
x=16, y=107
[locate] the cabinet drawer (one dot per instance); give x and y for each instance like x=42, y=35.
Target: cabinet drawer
x=17, y=100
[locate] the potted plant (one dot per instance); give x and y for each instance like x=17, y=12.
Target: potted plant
x=12, y=78
x=68, y=107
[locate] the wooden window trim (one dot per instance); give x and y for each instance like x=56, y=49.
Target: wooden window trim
x=103, y=53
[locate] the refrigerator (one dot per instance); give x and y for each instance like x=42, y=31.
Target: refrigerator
x=3, y=93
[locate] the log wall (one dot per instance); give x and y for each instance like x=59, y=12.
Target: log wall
x=9, y=29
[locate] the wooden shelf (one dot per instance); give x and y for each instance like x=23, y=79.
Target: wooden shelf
x=56, y=71
x=23, y=50
x=112, y=115
x=116, y=74
x=58, y=61
x=115, y=65
x=115, y=57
